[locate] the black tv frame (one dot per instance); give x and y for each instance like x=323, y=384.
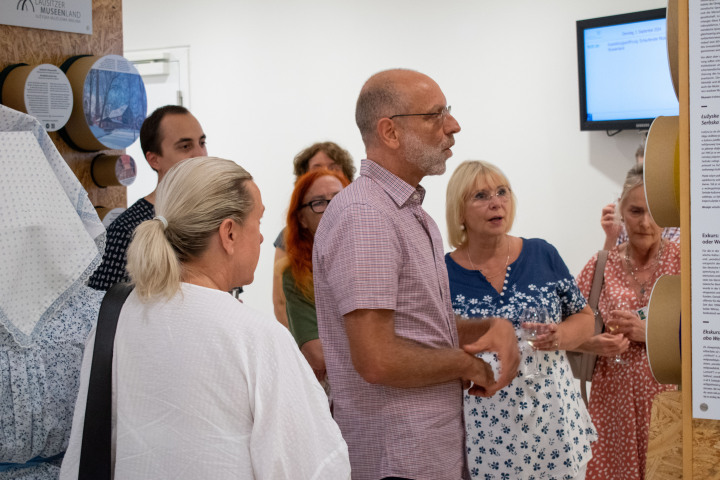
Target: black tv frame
x=582, y=25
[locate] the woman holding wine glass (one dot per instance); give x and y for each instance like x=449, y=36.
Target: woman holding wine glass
x=538, y=423
x=622, y=384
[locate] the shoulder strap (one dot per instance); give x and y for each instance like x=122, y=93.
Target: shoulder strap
x=96, y=442
x=588, y=359
x=598, y=280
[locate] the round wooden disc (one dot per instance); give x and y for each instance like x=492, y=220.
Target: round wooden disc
x=110, y=103
x=661, y=174
x=42, y=91
x=662, y=333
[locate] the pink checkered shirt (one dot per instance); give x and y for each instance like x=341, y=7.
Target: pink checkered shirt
x=376, y=248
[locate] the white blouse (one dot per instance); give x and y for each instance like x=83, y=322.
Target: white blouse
x=206, y=387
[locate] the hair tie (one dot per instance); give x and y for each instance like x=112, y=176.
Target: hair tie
x=162, y=220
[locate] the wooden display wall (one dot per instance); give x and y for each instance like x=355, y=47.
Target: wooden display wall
x=681, y=446
x=35, y=46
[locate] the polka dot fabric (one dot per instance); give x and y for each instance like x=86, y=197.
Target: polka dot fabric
x=51, y=239
x=621, y=395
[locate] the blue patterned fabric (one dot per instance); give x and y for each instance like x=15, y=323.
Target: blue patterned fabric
x=534, y=428
x=51, y=240
x=39, y=385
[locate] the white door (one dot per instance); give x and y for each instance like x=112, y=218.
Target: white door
x=165, y=74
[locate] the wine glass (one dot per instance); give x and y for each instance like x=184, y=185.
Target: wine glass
x=529, y=334
x=543, y=317
x=619, y=305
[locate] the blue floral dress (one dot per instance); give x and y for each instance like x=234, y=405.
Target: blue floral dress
x=534, y=428
x=38, y=388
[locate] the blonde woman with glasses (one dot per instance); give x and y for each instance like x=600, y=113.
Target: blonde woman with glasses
x=538, y=424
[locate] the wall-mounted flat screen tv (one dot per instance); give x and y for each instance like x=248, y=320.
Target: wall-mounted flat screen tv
x=623, y=71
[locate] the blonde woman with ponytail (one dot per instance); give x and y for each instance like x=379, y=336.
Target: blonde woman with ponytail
x=203, y=385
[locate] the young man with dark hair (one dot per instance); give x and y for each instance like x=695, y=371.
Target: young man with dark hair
x=170, y=134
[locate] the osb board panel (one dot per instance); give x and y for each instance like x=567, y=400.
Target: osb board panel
x=35, y=46
x=706, y=449
x=664, y=458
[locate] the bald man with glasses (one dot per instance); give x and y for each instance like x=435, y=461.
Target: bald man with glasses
x=396, y=357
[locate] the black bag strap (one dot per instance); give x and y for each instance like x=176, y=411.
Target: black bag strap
x=96, y=439
x=595, y=289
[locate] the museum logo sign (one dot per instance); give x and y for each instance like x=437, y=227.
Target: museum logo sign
x=62, y=15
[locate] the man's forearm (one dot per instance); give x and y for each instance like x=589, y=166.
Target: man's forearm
x=381, y=357
x=471, y=330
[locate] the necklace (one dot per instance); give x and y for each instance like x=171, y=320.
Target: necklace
x=488, y=277
x=632, y=270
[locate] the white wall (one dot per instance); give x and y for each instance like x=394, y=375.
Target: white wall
x=269, y=77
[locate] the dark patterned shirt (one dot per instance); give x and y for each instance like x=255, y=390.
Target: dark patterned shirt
x=112, y=269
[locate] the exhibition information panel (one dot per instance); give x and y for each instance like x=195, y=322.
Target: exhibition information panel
x=704, y=28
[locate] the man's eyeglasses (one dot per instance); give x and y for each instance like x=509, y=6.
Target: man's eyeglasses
x=317, y=206
x=483, y=197
x=442, y=114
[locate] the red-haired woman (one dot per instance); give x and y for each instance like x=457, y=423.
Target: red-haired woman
x=311, y=196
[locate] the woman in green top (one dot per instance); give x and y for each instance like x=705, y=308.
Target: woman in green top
x=311, y=196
